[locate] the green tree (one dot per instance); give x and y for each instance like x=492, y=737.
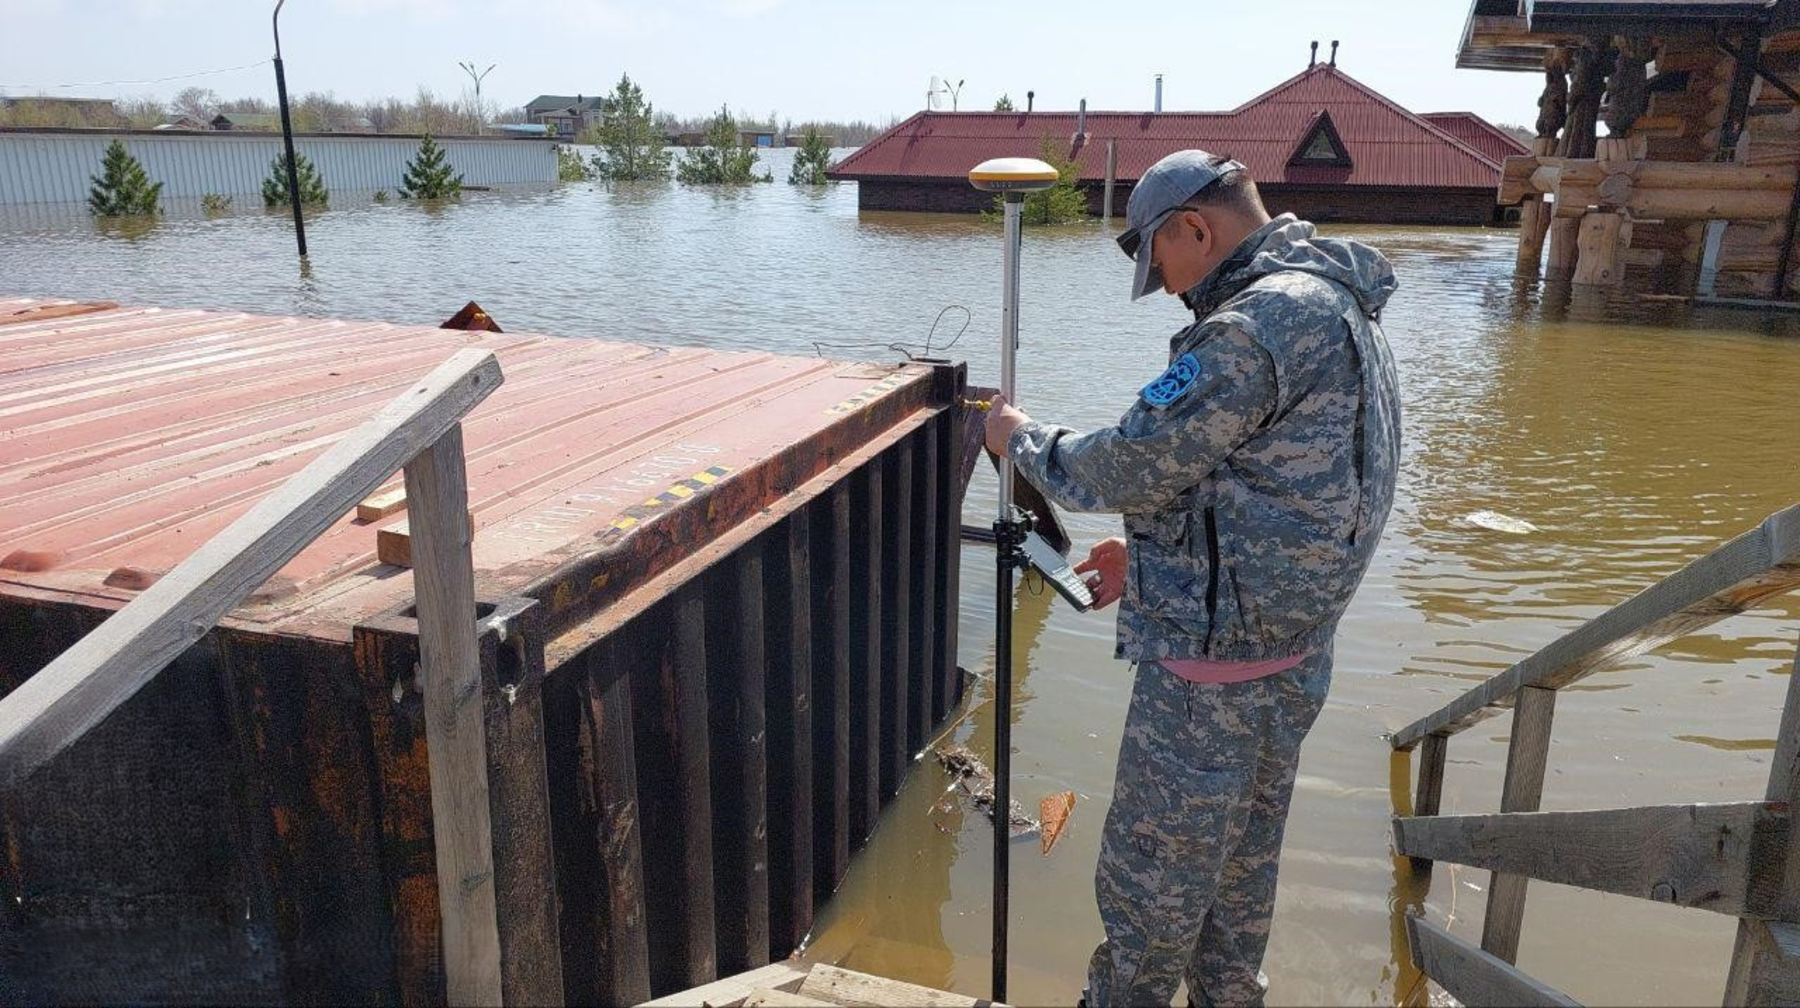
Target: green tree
x=571, y=166
x=631, y=143
x=429, y=175
x=723, y=159
x=1004, y=104
x=1062, y=203
x=312, y=184
x=123, y=188
x=813, y=160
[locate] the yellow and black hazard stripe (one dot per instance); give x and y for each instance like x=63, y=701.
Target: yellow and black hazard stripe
x=867, y=395
x=679, y=491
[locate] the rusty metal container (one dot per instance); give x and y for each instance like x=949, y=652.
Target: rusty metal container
x=718, y=609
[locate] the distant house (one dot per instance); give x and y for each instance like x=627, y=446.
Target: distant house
x=260, y=122
x=183, y=122
x=527, y=130
x=40, y=110
x=756, y=138
x=1320, y=144
x=799, y=139
x=568, y=117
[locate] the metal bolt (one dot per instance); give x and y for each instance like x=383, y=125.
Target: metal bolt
x=1662, y=892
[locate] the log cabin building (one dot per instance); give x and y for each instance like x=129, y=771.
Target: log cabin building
x=1320, y=144
x=1692, y=191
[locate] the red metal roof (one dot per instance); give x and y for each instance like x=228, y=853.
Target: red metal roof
x=129, y=436
x=1478, y=133
x=1388, y=145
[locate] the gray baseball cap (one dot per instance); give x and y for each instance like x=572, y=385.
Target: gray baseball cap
x=1157, y=196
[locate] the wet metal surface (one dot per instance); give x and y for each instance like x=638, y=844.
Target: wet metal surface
x=1634, y=436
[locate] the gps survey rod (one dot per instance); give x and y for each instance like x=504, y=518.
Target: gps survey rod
x=1013, y=178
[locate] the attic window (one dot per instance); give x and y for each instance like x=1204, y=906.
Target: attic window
x=1321, y=146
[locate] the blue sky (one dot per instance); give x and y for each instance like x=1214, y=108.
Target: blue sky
x=803, y=58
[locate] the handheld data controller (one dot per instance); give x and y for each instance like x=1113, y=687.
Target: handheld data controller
x=1040, y=556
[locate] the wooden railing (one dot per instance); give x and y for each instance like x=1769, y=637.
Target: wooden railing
x=1729, y=858
x=420, y=431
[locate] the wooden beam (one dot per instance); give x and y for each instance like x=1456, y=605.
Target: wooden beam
x=860, y=990
x=1737, y=576
x=393, y=544
x=732, y=990
x=768, y=998
x=1430, y=796
x=1688, y=855
x=378, y=506
x=1764, y=969
x=1472, y=976
x=1573, y=199
x=455, y=733
x=1599, y=262
x=107, y=667
x=1527, y=757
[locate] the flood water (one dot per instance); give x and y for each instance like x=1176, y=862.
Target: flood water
x=1632, y=437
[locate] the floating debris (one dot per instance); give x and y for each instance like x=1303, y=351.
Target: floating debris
x=969, y=773
x=1500, y=523
x=1054, y=810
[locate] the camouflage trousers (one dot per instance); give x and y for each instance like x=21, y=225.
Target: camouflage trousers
x=1192, y=843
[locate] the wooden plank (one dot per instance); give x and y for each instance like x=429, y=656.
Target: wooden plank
x=378, y=506
x=455, y=733
x=831, y=690
x=896, y=563
x=1688, y=855
x=787, y=581
x=732, y=990
x=1472, y=976
x=735, y=704
x=839, y=986
x=1430, y=796
x=1527, y=756
x=767, y=998
x=105, y=668
x=393, y=545
x=668, y=696
x=1737, y=576
x=1762, y=972
x=1599, y=250
x=865, y=655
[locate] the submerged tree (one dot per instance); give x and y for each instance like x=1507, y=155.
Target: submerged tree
x=632, y=145
x=123, y=188
x=813, y=160
x=724, y=158
x=1062, y=203
x=312, y=184
x=571, y=166
x=429, y=175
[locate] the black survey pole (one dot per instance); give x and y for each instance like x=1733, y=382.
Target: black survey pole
x=287, y=136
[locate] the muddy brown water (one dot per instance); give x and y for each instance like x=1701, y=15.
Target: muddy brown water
x=1631, y=436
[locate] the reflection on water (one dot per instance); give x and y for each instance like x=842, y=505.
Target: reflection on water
x=1632, y=434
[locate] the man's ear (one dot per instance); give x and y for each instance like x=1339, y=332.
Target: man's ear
x=1203, y=229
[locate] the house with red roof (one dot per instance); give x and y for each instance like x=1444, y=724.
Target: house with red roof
x=1321, y=144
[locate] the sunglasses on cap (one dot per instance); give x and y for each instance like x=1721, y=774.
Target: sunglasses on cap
x=1132, y=238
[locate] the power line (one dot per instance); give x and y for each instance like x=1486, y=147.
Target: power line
x=150, y=80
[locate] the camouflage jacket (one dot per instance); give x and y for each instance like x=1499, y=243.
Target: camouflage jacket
x=1256, y=474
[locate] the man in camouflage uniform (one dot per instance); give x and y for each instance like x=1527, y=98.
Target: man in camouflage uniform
x=1254, y=476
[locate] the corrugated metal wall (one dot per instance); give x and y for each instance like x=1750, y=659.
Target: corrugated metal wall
x=55, y=167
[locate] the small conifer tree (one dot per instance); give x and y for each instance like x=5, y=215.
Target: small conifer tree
x=724, y=158
x=123, y=188
x=429, y=175
x=813, y=160
x=312, y=184
x=630, y=142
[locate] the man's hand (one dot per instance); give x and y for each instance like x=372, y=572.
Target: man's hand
x=1003, y=419
x=1106, y=562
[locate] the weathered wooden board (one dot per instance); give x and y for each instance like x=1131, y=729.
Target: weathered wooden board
x=1737, y=576
x=1689, y=855
x=1527, y=756
x=838, y=986
x=730, y=991
x=1472, y=976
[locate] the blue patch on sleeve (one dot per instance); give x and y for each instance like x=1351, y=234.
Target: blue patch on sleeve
x=1174, y=382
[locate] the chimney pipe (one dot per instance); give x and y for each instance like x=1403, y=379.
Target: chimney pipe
x=1030, y=96
x=1314, y=58
x=1081, y=119
x=1159, y=92
x=1334, y=52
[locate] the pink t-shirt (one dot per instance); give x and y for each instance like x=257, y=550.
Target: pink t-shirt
x=1203, y=670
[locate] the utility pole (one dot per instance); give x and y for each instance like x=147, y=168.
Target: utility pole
x=480, y=110
x=287, y=136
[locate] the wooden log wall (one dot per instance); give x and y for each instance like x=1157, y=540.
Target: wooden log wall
x=717, y=758
x=1750, y=252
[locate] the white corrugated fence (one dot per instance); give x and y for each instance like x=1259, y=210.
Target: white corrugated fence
x=55, y=166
